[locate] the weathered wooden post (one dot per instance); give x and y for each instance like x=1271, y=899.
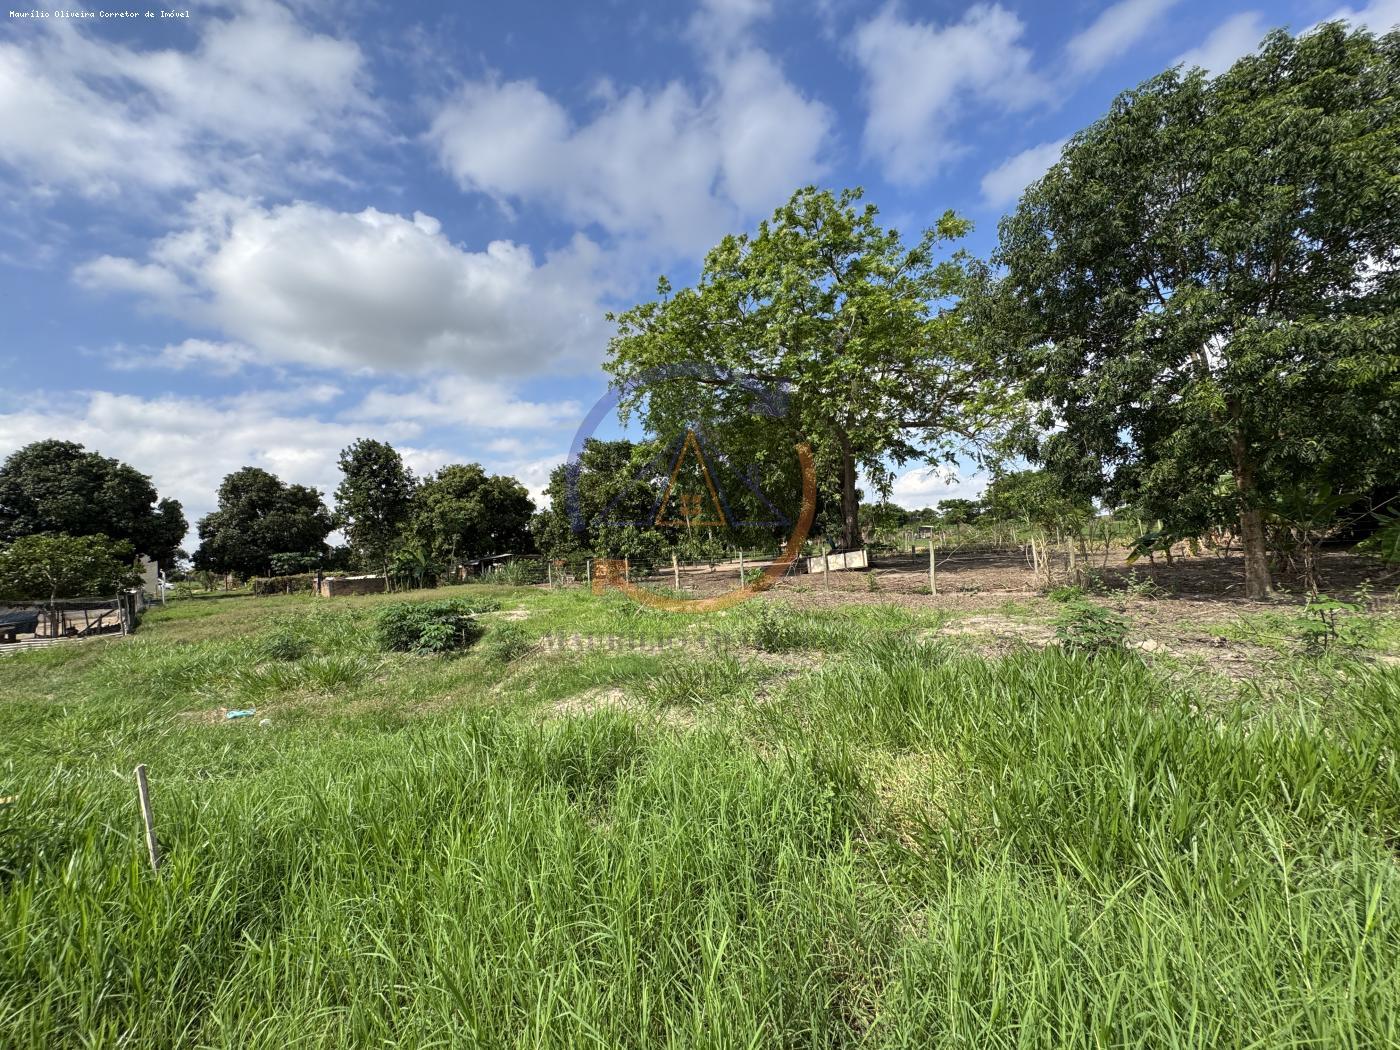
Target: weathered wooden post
x=826, y=569
x=143, y=792
x=741, y=566
x=675, y=570
x=588, y=572
x=932, y=579
x=626, y=569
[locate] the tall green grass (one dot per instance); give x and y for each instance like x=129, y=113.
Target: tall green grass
x=891, y=844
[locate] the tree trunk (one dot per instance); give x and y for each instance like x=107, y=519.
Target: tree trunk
x=850, y=498
x=1258, y=584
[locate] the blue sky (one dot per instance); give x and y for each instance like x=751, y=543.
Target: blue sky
x=254, y=234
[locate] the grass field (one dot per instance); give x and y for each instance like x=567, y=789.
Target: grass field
x=763, y=828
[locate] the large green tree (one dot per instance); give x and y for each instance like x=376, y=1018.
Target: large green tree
x=58, y=486
x=1205, y=286
x=463, y=512
x=373, y=500
x=260, y=517
x=46, y=567
x=603, y=503
x=850, y=325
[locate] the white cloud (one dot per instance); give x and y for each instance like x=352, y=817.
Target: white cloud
x=82, y=111
x=1379, y=16
x=1116, y=29
x=672, y=167
x=1233, y=38
x=467, y=402
x=1004, y=183
x=222, y=359
x=187, y=444
x=925, y=486
x=919, y=75
x=306, y=284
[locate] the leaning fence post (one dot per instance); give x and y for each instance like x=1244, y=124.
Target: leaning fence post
x=143, y=792
x=932, y=579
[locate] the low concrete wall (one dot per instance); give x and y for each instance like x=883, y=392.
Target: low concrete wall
x=339, y=586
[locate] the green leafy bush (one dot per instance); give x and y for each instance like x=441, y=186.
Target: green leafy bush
x=283, y=642
x=430, y=627
x=771, y=628
x=506, y=641
x=1088, y=628
x=1329, y=623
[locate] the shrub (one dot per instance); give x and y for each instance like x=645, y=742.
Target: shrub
x=771, y=628
x=1088, y=628
x=429, y=627
x=1327, y=623
x=283, y=642
x=505, y=642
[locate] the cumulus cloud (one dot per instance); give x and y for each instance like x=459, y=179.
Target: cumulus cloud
x=1116, y=29
x=1233, y=38
x=1004, y=183
x=305, y=284
x=466, y=401
x=673, y=167
x=920, y=77
x=221, y=359
x=188, y=444
x=925, y=486
x=84, y=112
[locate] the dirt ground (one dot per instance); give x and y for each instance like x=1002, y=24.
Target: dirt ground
x=1175, y=610
x=973, y=580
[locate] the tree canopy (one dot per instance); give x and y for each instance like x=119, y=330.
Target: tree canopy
x=1206, y=286
x=57, y=486
x=262, y=526
x=462, y=512
x=603, y=503
x=373, y=500
x=46, y=567
x=852, y=326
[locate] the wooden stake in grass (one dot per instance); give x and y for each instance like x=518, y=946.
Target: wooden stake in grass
x=932, y=579
x=676, y=570
x=741, y=566
x=143, y=792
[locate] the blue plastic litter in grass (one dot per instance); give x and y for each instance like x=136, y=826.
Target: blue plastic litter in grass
x=242, y=714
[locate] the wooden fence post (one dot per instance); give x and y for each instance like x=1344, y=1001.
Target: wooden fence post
x=826, y=569
x=143, y=792
x=741, y=566
x=932, y=579
x=676, y=570
x=588, y=572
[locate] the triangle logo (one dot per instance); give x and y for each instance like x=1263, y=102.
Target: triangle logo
x=690, y=508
